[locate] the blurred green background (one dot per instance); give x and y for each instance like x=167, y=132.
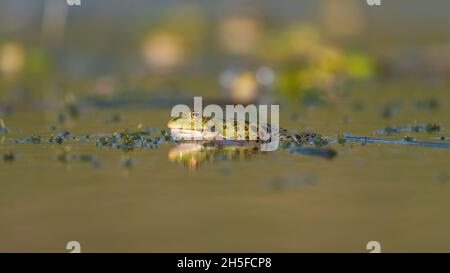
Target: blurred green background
x=215, y=48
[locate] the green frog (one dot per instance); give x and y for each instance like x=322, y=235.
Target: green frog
x=192, y=126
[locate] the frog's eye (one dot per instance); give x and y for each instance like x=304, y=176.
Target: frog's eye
x=195, y=114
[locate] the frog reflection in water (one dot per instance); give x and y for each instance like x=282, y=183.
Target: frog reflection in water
x=194, y=154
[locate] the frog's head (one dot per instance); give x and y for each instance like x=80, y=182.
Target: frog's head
x=186, y=121
x=188, y=125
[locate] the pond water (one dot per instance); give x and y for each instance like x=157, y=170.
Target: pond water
x=141, y=200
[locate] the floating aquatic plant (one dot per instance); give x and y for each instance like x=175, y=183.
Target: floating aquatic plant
x=35, y=139
x=129, y=140
x=341, y=139
x=427, y=127
x=58, y=138
x=320, y=141
x=82, y=138
x=433, y=128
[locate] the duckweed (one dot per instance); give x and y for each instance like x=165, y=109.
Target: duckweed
x=320, y=141
x=427, y=127
x=341, y=139
x=35, y=139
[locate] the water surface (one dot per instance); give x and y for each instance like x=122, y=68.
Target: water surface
x=397, y=195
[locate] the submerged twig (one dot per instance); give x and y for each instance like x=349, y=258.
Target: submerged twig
x=397, y=141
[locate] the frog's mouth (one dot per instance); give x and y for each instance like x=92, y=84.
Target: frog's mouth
x=179, y=134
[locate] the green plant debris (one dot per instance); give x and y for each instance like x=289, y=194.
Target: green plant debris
x=433, y=128
x=129, y=140
x=427, y=127
x=341, y=139
x=165, y=133
x=85, y=138
x=56, y=139
x=320, y=141
x=35, y=139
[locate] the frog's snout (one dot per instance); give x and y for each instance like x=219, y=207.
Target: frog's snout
x=171, y=124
